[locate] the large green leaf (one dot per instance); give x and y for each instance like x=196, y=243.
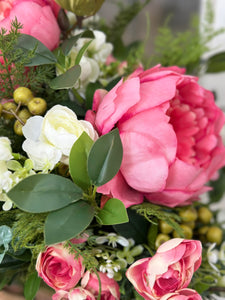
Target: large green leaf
x=44, y=192
x=78, y=161
x=31, y=286
x=42, y=54
x=216, y=63
x=105, y=158
x=69, y=43
x=113, y=212
x=66, y=80
x=66, y=223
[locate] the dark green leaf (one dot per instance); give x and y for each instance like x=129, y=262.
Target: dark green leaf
x=44, y=192
x=113, y=212
x=136, y=228
x=68, y=44
x=81, y=52
x=31, y=286
x=42, y=54
x=216, y=63
x=78, y=161
x=105, y=158
x=66, y=80
x=66, y=223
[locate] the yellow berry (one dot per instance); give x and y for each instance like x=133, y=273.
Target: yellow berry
x=0, y=109
x=165, y=227
x=190, y=224
x=160, y=239
x=204, y=215
x=202, y=233
x=37, y=106
x=214, y=235
x=18, y=127
x=9, y=106
x=24, y=114
x=188, y=214
x=187, y=231
x=22, y=95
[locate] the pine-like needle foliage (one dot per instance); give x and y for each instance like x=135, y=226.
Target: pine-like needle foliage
x=185, y=49
x=12, y=62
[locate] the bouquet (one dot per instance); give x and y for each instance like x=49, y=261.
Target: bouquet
x=105, y=157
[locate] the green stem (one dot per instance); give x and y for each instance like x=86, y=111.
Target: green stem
x=80, y=99
x=99, y=283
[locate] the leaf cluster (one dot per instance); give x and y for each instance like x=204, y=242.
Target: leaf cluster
x=184, y=49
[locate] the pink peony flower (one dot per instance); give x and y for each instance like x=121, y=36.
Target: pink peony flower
x=58, y=268
x=185, y=294
x=37, y=17
x=168, y=271
x=109, y=287
x=76, y=294
x=169, y=127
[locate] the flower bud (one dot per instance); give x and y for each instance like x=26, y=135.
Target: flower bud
x=81, y=7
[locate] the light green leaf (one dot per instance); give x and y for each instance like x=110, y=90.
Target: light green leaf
x=78, y=161
x=81, y=52
x=66, y=223
x=31, y=286
x=66, y=80
x=44, y=192
x=69, y=43
x=105, y=158
x=113, y=212
x=216, y=63
x=5, y=239
x=42, y=54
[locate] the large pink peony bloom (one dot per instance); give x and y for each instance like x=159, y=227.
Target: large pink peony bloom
x=185, y=294
x=168, y=271
x=58, y=268
x=39, y=19
x=169, y=127
x=109, y=287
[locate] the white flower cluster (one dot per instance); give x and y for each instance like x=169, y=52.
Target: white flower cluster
x=8, y=178
x=49, y=139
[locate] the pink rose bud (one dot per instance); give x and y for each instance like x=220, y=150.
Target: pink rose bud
x=170, y=131
x=185, y=294
x=76, y=294
x=168, y=271
x=109, y=287
x=58, y=268
x=38, y=17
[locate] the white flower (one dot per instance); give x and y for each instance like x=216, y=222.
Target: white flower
x=49, y=139
x=112, y=239
x=89, y=72
x=5, y=149
x=213, y=256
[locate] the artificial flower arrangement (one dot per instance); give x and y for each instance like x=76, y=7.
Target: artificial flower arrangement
x=103, y=160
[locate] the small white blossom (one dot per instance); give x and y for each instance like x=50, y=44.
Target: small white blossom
x=112, y=239
x=5, y=149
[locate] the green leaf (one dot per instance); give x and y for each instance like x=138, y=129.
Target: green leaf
x=66, y=80
x=68, y=44
x=66, y=223
x=78, y=161
x=44, y=192
x=216, y=63
x=136, y=228
x=31, y=286
x=42, y=54
x=113, y=212
x=5, y=239
x=81, y=52
x=105, y=158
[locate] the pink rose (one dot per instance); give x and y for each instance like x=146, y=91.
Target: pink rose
x=169, y=127
x=76, y=294
x=168, y=271
x=109, y=287
x=37, y=17
x=185, y=294
x=58, y=268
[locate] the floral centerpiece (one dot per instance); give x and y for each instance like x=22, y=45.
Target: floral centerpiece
x=104, y=158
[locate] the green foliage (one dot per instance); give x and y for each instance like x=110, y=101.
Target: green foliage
x=31, y=286
x=218, y=187
x=113, y=212
x=116, y=30
x=151, y=212
x=184, y=49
